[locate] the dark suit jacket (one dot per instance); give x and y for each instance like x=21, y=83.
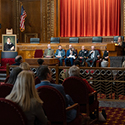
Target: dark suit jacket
x=51, y=53
x=62, y=52
x=96, y=54
x=70, y=114
x=83, y=54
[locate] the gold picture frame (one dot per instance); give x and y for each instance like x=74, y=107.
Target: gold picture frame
x=9, y=42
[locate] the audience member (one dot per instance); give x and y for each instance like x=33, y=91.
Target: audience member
x=40, y=61
x=60, y=53
x=45, y=77
x=77, y=63
x=24, y=66
x=26, y=96
x=83, y=54
x=18, y=60
x=70, y=55
x=13, y=75
x=75, y=71
x=93, y=55
x=49, y=53
x=104, y=62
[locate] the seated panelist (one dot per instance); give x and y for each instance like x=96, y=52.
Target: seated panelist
x=92, y=56
x=60, y=53
x=71, y=54
x=49, y=53
x=83, y=54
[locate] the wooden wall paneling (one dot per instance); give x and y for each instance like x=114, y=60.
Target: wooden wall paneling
x=32, y=21
x=6, y=15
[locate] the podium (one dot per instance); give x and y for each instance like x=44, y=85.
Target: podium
x=115, y=55
x=114, y=49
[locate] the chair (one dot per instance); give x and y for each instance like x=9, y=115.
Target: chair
x=96, y=39
x=116, y=38
x=38, y=53
x=11, y=113
x=74, y=40
x=55, y=108
x=77, y=89
x=54, y=40
x=34, y=40
x=5, y=90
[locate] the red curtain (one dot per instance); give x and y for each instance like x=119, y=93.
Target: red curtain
x=90, y=18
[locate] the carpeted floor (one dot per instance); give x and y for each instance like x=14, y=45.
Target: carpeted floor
x=115, y=116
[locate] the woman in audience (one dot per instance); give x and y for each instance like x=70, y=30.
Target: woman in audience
x=25, y=94
x=24, y=66
x=13, y=75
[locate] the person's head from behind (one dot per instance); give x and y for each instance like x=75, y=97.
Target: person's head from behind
x=19, y=59
x=74, y=71
x=24, y=90
x=40, y=61
x=59, y=47
x=24, y=66
x=13, y=75
x=119, y=39
x=8, y=40
x=49, y=46
x=77, y=63
x=93, y=47
x=44, y=73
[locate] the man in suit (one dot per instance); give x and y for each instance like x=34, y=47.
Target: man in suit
x=45, y=77
x=60, y=53
x=83, y=54
x=49, y=53
x=92, y=56
x=70, y=55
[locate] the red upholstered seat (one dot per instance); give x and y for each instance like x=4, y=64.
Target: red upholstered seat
x=77, y=89
x=4, y=61
x=38, y=53
x=11, y=113
x=5, y=90
x=55, y=108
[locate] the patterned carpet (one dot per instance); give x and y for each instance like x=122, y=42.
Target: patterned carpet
x=115, y=116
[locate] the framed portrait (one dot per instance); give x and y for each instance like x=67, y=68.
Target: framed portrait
x=9, y=42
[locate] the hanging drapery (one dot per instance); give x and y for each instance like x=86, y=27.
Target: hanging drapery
x=90, y=18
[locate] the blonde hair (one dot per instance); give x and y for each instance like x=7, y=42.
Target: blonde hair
x=24, y=90
x=24, y=66
x=74, y=71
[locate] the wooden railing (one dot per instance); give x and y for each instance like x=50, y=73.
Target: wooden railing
x=108, y=81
